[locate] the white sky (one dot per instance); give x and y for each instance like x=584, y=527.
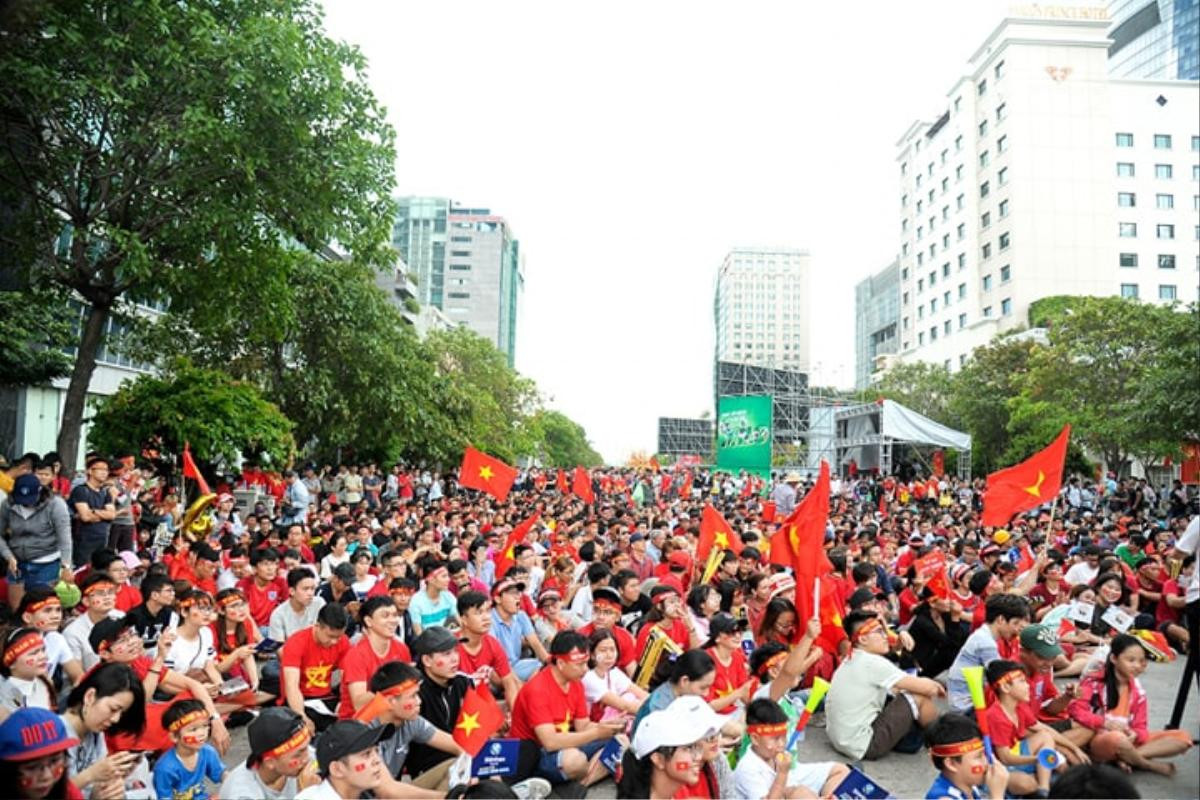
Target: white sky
x=630, y=145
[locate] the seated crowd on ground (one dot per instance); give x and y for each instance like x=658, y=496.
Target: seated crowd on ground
x=346, y=616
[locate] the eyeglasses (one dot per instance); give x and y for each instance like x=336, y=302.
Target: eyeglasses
x=45, y=765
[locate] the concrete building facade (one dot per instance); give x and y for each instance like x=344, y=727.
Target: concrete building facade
x=1044, y=176
x=762, y=308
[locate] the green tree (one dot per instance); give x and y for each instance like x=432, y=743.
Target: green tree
x=34, y=330
x=153, y=146
x=923, y=387
x=563, y=441
x=980, y=394
x=220, y=417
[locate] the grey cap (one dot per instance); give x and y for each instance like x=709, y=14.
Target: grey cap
x=435, y=639
x=344, y=572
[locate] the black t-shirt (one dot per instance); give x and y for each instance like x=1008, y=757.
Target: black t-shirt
x=95, y=499
x=150, y=626
x=440, y=705
x=632, y=613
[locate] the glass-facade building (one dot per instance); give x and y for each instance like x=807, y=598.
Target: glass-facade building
x=1154, y=39
x=876, y=321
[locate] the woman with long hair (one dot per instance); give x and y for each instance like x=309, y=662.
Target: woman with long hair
x=703, y=601
x=194, y=653
x=1111, y=592
x=236, y=635
x=607, y=689
x=1113, y=703
x=692, y=673
x=109, y=699
x=778, y=623
x=34, y=744
x=23, y=667
x=938, y=631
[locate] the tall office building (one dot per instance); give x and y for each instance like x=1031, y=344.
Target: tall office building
x=876, y=323
x=1154, y=39
x=467, y=264
x=761, y=308
x=1043, y=176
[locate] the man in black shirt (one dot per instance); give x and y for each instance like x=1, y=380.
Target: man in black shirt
x=156, y=613
x=93, y=505
x=442, y=691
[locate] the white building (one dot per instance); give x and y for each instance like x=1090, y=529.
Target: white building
x=762, y=308
x=1044, y=177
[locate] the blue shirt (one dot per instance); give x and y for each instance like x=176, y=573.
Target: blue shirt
x=428, y=613
x=942, y=787
x=174, y=781
x=511, y=635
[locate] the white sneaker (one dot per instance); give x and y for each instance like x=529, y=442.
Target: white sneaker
x=532, y=789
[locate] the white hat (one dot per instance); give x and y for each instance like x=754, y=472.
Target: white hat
x=686, y=721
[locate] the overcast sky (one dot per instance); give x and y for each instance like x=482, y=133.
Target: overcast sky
x=630, y=145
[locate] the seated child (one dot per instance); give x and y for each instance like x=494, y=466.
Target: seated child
x=1017, y=736
x=767, y=770
x=956, y=748
x=181, y=771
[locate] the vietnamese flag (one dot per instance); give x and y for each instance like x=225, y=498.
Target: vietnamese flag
x=504, y=559
x=768, y=511
x=714, y=530
x=664, y=485
x=479, y=718
x=481, y=471
x=563, y=487
x=685, y=488
x=800, y=543
x=190, y=470
x=1034, y=481
x=581, y=485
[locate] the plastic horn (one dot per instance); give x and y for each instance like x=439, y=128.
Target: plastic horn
x=1049, y=758
x=974, y=678
x=815, y=696
x=715, y=559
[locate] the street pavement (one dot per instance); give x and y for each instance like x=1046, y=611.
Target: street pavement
x=909, y=776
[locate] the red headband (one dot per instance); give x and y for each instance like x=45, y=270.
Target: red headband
x=230, y=599
x=43, y=603
x=662, y=596
x=187, y=719
x=866, y=628
x=767, y=729
x=297, y=739
x=24, y=643
x=97, y=586
x=575, y=656
x=772, y=661
x=956, y=748
x=1010, y=676
x=399, y=688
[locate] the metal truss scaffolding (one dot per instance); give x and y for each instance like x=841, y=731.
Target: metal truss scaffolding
x=679, y=436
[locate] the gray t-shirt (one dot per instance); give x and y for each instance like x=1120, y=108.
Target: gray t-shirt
x=394, y=749
x=857, y=694
x=242, y=783
x=284, y=621
x=977, y=651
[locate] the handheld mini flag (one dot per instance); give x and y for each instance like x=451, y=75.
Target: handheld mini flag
x=479, y=718
x=481, y=471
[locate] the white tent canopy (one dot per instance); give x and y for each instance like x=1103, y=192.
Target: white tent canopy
x=905, y=425
x=867, y=432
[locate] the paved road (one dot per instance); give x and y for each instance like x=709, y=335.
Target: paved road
x=910, y=775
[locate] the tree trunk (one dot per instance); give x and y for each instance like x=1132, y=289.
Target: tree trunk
x=81, y=376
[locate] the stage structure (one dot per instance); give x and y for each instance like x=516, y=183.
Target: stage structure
x=801, y=416
x=680, y=436
x=869, y=433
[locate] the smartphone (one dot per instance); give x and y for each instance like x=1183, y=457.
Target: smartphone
x=267, y=646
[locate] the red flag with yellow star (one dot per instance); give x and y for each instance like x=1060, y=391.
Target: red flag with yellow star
x=481, y=471
x=1034, y=481
x=479, y=718
x=800, y=543
x=581, y=485
x=714, y=530
x=504, y=559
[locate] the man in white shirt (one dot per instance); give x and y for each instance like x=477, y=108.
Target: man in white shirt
x=1085, y=571
x=280, y=762
x=300, y=611
x=99, y=597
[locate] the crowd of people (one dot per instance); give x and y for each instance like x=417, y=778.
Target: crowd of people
x=345, y=615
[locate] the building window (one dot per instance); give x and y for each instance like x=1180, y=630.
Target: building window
x=1196, y=202
x=943, y=156
x=1166, y=261
x=945, y=185
x=946, y=270
x=1127, y=230
x=1006, y=307
x=962, y=291
x=987, y=283
x=1196, y=172
x=904, y=168
x=1001, y=112
x=962, y=260
x=945, y=298
x=1164, y=231
x=904, y=274
x=1003, y=209
x=962, y=231
x=999, y=70
x=959, y=202
x=920, y=285
x=1195, y=143
x=933, y=306
x=1129, y=259
x=920, y=206
x=957, y=144
x=958, y=173
x=1002, y=176
x=461, y=253
x=932, y=278
x=987, y=312
x=1005, y=240
x=1162, y=141
x=920, y=339
x=921, y=312
x=933, y=334
x=1129, y=290
x=1124, y=140
x=1125, y=169
x=1126, y=199
x=1166, y=291
x=903, y=200
x=1002, y=144
x=982, y=88
x=904, y=249
x=984, y=189
x=986, y=251
x=985, y=220
x=1005, y=273
x=906, y=323
x=903, y=225
x=962, y=321
x=1163, y=171
x=906, y=298
x=460, y=238
x=946, y=327
x=983, y=129
x=1164, y=201
x=983, y=159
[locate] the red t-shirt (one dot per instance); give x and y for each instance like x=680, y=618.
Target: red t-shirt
x=490, y=654
x=128, y=597
x=360, y=663
x=262, y=601
x=677, y=630
x=908, y=601
x=541, y=701
x=1163, y=612
x=1005, y=732
x=316, y=663
x=729, y=678
x=1041, y=691
x=626, y=650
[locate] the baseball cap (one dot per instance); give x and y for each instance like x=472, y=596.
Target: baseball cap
x=505, y=584
x=434, y=639
x=345, y=738
x=549, y=593
x=724, y=623
x=277, y=729
x=685, y=721
x=31, y=733
x=26, y=490
x=107, y=631
x=606, y=597
x=224, y=497
x=1042, y=640
x=637, y=537
x=678, y=558
x=344, y=572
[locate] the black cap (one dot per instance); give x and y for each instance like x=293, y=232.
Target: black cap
x=434, y=639
x=107, y=631
x=861, y=597
x=724, y=623
x=271, y=728
x=345, y=738
x=344, y=572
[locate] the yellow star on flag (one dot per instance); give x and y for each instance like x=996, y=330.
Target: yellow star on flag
x=469, y=723
x=721, y=540
x=1036, y=489
x=728, y=690
x=565, y=725
x=485, y=472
